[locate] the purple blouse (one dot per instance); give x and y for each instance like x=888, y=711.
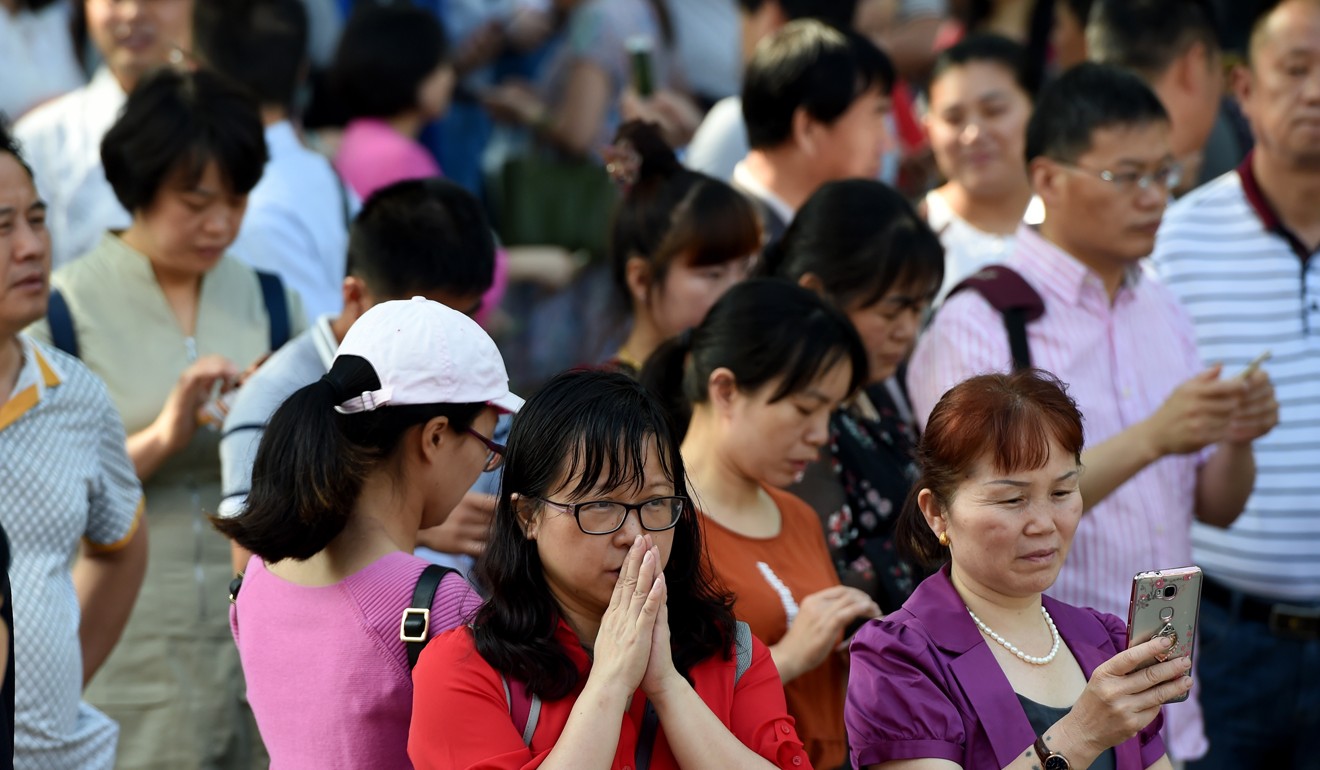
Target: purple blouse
x=924, y=684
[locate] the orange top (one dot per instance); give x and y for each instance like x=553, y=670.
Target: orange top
x=769, y=577
x=461, y=721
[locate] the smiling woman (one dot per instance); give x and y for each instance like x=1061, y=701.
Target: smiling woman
x=168, y=321
x=979, y=669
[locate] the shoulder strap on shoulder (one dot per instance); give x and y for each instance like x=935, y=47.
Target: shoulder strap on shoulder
x=415, y=627
x=277, y=308
x=742, y=649
x=62, y=334
x=1009, y=293
x=524, y=708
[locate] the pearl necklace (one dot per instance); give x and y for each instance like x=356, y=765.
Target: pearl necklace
x=1032, y=659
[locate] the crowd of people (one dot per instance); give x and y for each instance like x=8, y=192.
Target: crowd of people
x=870, y=349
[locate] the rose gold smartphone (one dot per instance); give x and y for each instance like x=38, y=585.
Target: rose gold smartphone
x=1165, y=602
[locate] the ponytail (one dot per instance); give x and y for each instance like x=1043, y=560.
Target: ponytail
x=312, y=462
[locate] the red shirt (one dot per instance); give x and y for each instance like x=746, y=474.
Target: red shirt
x=461, y=718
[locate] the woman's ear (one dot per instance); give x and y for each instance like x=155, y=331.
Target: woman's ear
x=930, y=511
x=721, y=389
x=526, y=512
x=637, y=274
x=435, y=433
x=812, y=283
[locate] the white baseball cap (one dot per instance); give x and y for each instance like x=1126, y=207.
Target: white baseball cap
x=426, y=353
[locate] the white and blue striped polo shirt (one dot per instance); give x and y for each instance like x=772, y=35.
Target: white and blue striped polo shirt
x=1250, y=285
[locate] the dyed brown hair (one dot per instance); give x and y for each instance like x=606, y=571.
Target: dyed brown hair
x=1010, y=417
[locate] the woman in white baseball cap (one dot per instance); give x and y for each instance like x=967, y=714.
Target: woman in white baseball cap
x=334, y=608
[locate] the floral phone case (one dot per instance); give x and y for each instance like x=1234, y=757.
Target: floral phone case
x=1165, y=603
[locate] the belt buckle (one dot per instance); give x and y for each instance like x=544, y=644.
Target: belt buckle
x=1295, y=622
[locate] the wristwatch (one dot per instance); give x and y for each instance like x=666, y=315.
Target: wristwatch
x=1052, y=760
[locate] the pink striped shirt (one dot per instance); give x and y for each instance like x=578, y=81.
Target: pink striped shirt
x=1120, y=362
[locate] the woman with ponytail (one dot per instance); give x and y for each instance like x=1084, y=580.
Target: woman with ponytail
x=680, y=239
x=755, y=385
x=348, y=471
x=863, y=248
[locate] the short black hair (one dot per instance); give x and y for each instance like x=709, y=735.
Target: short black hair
x=1080, y=9
x=420, y=236
x=840, y=13
x=9, y=146
x=994, y=49
x=1088, y=97
x=1147, y=36
x=179, y=121
x=384, y=55
x=261, y=45
x=810, y=65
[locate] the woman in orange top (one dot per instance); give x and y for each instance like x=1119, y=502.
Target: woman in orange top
x=756, y=383
x=575, y=661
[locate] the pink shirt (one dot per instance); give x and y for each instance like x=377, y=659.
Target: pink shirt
x=373, y=155
x=327, y=676
x=1120, y=360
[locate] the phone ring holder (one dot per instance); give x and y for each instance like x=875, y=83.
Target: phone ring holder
x=1172, y=634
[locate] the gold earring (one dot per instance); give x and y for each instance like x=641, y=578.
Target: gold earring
x=944, y=539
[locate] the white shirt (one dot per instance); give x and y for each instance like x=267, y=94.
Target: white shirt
x=296, y=224
x=745, y=179
x=62, y=142
x=968, y=248
x=702, y=31
x=36, y=57
x=720, y=141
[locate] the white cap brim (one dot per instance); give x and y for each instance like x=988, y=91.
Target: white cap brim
x=508, y=403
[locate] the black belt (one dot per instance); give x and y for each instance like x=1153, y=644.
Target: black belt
x=1290, y=620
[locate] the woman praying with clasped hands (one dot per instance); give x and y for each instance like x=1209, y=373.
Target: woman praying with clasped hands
x=979, y=670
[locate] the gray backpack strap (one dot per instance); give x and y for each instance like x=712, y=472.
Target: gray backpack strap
x=526, y=713
x=742, y=648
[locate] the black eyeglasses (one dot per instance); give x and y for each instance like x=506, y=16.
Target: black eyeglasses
x=495, y=458
x=605, y=517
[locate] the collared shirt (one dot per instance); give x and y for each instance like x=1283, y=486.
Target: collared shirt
x=925, y=684
x=1251, y=285
x=777, y=214
x=1120, y=360
x=296, y=224
x=67, y=477
x=62, y=142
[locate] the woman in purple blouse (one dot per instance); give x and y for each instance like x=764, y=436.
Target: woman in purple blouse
x=978, y=669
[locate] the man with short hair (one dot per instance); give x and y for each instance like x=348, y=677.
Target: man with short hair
x=415, y=238
x=62, y=138
x=721, y=139
x=70, y=495
x=1240, y=253
x=815, y=99
x=1172, y=45
x=1168, y=442
x=296, y=224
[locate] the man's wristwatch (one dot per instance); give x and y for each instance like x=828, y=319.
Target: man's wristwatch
x=1051, y=759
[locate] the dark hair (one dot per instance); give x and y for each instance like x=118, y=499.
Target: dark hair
x=762, y=330
x=1146, y=36
x=419, y=236
x=809, y=65
x=261, y=45
x=669, y=211
x=1011, y=417
x=1040, y=25
x=992, y=49
x=1086, y=98
x=860, y=239
x=1081, y=9
x=312, y=461
x=595, y=426
x=178, y=121
x=385, y=54
x=9, y=146
x=839, y=13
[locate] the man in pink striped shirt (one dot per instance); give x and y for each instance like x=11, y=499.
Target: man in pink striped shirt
x=1167, y=439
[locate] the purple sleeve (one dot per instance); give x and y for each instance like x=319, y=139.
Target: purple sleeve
x=1152, y=744
x=898, y=706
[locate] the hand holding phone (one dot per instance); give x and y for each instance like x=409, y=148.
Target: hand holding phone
x=1254, y=365
x=1165, y=603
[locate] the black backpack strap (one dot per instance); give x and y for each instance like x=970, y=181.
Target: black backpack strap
x=62, y=334
x=277, y=308
x=415, y=627
x=1009, y=293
